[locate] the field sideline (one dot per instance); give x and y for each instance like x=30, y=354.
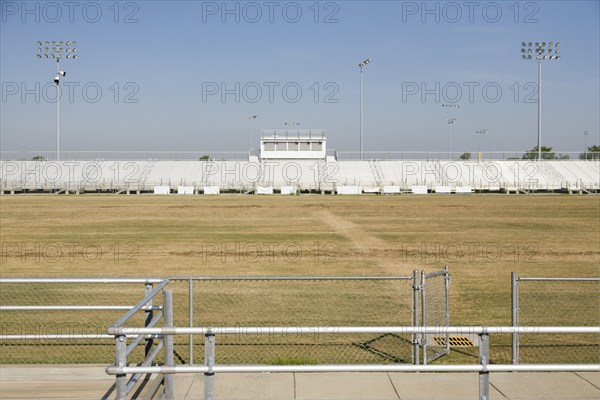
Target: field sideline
x=481, y=238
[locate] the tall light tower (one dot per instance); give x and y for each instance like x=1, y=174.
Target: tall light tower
x=54, y=50
x=540, y=51
x=251, y=118
x=451, y=121
x=480, y=133
x=585, y=135
x=361, y=66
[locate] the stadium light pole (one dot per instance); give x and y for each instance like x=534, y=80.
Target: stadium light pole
x=361, y=66
x=54, y=50
x=451, y=121
x=540, y=51
x=251, y=118
x=480, y=133
x=585, y=135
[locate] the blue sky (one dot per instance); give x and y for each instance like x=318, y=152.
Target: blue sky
x=162, y=67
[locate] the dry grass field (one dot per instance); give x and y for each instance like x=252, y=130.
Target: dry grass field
x=481, y=238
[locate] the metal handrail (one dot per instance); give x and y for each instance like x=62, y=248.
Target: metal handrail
x=483, y=368
x=591, y=279
x=131, y=346
x=122, y=350
x=80, y=280
x=164, y=369
x=290, y=278
x=73, y=308
x=237, y=330
x=63, y=336
x=141, y=304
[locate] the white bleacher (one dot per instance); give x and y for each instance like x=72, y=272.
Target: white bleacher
x=355, y=173
x=304, y=175
x=584, y=170
x=391, y=172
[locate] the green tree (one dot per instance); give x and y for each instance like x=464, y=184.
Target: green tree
x=465, y=156
x=38, y=158
x=204, y=158
x=593, y=153
x=547, y=154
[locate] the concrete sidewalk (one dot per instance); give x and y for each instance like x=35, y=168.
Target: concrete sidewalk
x=393, y=386
x=91, y=382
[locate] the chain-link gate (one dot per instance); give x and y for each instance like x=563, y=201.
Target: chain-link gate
x=435, y=311
x=555, y=302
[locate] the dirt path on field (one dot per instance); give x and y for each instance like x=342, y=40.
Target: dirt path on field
x=367, y=245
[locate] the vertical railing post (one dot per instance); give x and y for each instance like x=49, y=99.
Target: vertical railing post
x=447, y=300
x=191, y=317
x=168, y=343
x=149, y=315
x=415, y=316
x=209, y=361
x=121, y=361
x=423, y=318
x=484, y=360
x=515, y=315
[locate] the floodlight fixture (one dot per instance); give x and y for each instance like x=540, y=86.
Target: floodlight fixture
x=552, y=49
x=364, y=62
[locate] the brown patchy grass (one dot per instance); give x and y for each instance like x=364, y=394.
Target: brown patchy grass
x=481, y=238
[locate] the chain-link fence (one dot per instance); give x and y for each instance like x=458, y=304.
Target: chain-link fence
x=435, y=311
x=42, y=318
x=556, y=302
x=280, y=302
x=64, y=321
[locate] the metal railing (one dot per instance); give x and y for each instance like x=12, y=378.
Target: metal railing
x=177, y=155
x=469, y=155
x=210, y=368
x=123, y=386
x=39, y=313
x=126, y=155
x=554, y=301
